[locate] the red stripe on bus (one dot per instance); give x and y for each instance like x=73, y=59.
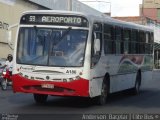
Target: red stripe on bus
x=78, y=87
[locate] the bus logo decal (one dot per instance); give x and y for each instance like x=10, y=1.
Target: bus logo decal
x=27, y=68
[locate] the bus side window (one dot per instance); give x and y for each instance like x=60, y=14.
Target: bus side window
x=147, y=45
x=133, y=44
x=96, y=47
x=142, y=40
x=126, y=40
x=151, y=41
x=118, y=40
x=109, y=42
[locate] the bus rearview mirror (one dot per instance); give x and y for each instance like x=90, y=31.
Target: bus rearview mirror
x=9, y=37
x=97, y=46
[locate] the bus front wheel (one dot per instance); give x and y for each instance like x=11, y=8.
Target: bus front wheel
x=39, y=98
x=101, y=100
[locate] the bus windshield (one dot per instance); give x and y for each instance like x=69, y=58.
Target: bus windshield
x=51, y=46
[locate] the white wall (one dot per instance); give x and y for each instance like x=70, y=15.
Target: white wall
x=73, y=5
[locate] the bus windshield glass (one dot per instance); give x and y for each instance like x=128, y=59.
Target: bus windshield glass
x=51, y=46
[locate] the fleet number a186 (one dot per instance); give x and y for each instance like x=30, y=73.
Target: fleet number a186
x=71, y=71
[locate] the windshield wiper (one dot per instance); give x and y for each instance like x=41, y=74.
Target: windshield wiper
x=65, y=33
x=63, y=36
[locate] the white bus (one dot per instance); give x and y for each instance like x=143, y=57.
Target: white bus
x=63, y=53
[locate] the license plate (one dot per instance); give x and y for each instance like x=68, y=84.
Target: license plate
x=50, y=86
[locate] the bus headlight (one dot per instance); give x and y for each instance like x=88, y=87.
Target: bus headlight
x=64, y=80
x=71, y=79
x=4, y=73
x=77, y=77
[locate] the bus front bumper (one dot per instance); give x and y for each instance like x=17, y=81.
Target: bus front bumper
x=78, y=87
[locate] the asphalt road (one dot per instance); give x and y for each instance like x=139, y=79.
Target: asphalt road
x=148, y=101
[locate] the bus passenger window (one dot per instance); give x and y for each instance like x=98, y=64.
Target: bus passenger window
x=133, y=42
x=151, y=42
x=118, y=40
x=142, y=40
x=127, y=38
x=109, y=43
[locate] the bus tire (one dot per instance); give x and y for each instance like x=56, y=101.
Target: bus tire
x=136, y=89
x=101, y=100
x=4, y=84
x=39, y=98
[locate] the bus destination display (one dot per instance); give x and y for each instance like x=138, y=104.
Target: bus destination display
x=64, y=20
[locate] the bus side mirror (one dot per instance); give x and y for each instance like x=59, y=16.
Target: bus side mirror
x=97, y=46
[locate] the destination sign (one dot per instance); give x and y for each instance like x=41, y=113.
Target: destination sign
x=63, y=20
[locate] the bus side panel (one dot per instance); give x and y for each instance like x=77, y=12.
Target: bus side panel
x=122, y=82
x=95, y=87
x=147, y=76
x=97, y=74
x=121, y=76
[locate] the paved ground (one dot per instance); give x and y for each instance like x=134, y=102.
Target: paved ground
x=147, y=102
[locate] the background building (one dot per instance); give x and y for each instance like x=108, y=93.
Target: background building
x=10, y=12
x=150, y=9
x=150, y=13
x=134, y=19
x=70, y=5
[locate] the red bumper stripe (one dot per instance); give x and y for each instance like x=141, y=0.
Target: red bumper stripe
x=78, y=87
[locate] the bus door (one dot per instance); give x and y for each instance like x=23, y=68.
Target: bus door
x=96, y=49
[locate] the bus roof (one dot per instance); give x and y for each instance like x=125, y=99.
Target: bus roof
x=103, y=18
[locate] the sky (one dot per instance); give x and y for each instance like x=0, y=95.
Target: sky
x=117, y=7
